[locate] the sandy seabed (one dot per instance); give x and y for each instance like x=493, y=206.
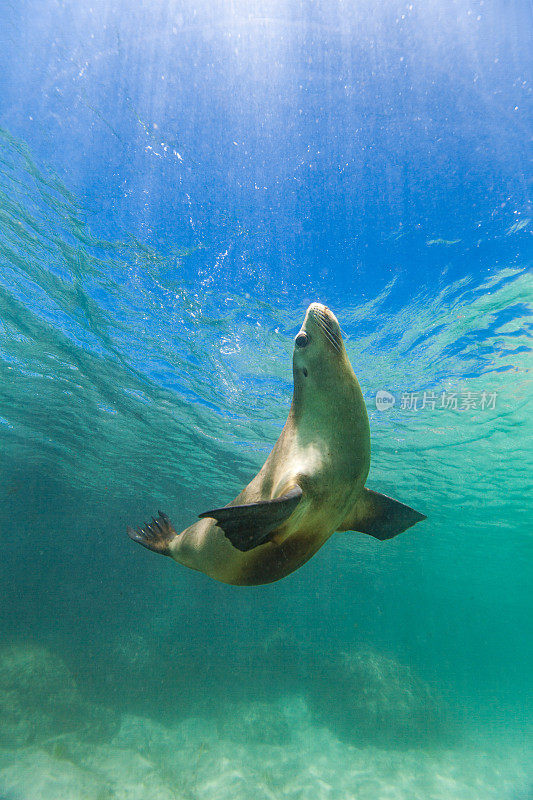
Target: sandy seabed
x=202, y=759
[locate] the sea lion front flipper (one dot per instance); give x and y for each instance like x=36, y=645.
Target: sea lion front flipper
x=380, y=516
x=250, y=525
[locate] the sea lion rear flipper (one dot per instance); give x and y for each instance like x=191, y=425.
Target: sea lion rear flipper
x=380, y=516
x=155, y=535
x=250, y=525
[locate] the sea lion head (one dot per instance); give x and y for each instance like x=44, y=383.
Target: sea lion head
x=319, y=353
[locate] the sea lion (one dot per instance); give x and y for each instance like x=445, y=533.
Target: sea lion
x=311, y=485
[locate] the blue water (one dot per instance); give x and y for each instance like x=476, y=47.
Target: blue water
x=178, y=182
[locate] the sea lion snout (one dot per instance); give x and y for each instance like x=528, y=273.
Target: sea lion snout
x=320, y=320
x=320, y=307
x=319, y=313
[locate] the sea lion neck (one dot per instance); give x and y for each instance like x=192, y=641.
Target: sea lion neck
x=321, y=391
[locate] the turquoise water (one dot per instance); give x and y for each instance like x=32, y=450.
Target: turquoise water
x=125, y=389
x=177, y=185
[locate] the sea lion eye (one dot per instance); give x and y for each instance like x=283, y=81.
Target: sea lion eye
x=302, y=340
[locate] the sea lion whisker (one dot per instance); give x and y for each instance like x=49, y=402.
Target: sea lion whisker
x=325, y=324
x=333, y=341
x=330, y=338
x=319, y=315
x=329, y=334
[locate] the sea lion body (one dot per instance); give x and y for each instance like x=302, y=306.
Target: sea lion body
x=322, y=456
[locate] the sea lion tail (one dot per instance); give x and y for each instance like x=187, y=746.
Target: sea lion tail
x=155, y=535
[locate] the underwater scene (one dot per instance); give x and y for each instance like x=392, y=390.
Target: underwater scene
x=210, y=214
